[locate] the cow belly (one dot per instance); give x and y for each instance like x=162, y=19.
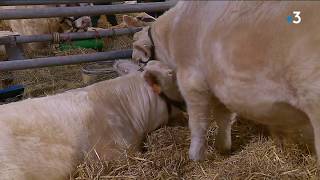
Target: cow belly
x=270, y=108
x=277, y=114
x=264, y=102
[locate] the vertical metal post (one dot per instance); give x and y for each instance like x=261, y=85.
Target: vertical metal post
x=13, y=50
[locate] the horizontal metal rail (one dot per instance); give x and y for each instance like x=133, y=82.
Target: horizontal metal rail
x=85, y=10
x=40, y=2
x=67, y=36
x=64, y=60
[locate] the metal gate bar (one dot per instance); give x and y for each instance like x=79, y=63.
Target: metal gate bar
x=40, y=2
x=64, y=60
x=85, y=10
x=67, y=36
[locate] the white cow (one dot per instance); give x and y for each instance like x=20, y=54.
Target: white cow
x=44, y=138
x=246, y=57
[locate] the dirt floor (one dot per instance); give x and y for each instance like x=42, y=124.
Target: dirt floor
x=254, y=155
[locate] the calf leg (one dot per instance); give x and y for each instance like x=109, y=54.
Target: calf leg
x=198, y=99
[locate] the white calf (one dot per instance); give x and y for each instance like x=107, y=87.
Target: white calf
x=44, y=138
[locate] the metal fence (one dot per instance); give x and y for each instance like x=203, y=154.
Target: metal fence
x=84, y=10
x=67, y=36
x=64, y=60
x=13, y=43
x=39, y=2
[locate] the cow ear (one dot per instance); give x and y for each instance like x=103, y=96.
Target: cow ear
x=130, y=21
x=146, y=18
x=151, y=78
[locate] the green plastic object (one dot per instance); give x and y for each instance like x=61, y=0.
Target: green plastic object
x=97, y=44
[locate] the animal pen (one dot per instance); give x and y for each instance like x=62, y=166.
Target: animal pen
x=13, y=42
x=166, y=157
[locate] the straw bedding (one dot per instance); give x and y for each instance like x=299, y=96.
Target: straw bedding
x=165, y=155
x=254, y=156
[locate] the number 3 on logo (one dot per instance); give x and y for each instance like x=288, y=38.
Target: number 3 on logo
x=297, y=17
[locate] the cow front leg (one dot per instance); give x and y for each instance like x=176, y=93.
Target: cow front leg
x=198, y=99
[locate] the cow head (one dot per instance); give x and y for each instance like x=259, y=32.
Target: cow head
x=142, y=51
x=75, y=24
x=142, y=46
x=82, y=22
x=162, y=79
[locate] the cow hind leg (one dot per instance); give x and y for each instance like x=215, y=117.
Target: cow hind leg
x=197, y=97
x=313, y=112
x=224, y=119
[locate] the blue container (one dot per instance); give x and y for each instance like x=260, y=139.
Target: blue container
x=11, y=92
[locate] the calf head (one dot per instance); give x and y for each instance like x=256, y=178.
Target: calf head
x=163, y=82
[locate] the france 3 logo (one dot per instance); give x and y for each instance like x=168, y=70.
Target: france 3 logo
x=295, y=18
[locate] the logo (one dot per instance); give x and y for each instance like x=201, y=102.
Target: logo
x=295, y=18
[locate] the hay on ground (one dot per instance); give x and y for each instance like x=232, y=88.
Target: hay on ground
x=166, y=157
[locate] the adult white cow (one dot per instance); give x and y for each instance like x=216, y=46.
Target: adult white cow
x=246, y=57
x=44, y=138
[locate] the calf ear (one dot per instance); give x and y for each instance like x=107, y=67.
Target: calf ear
x=130, y=21
x=158, y=76
x=151, y=78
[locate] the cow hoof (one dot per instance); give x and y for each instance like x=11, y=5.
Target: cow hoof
x=197, y=151
x=224, y=151
x=196, y=157
x=223, y=148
